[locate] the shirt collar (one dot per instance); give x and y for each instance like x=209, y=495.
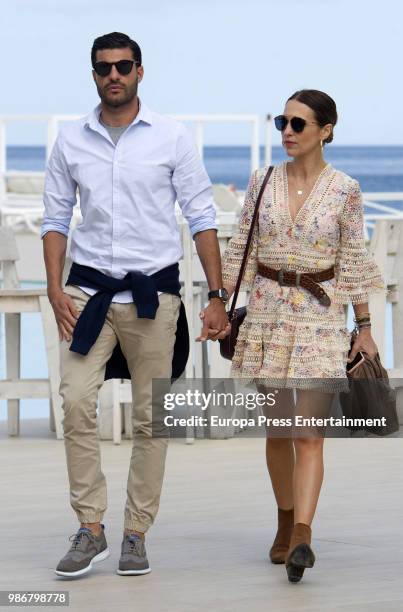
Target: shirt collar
x=144, y=115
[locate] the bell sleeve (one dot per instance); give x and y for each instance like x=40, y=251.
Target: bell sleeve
x=232, y=257
x=357, y=274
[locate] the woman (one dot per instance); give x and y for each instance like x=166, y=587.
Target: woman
x=310, y=220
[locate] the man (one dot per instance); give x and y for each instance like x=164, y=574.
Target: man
x=121, y=300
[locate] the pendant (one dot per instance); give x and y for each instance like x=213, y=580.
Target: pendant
x=299, y=192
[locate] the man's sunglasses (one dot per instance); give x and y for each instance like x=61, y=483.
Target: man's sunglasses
x=297, y=123
x=122, y=66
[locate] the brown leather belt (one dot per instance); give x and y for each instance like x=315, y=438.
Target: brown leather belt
x=308, y=280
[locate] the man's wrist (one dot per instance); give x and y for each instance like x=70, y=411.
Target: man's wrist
x=54, y=292
x=219, y=294
x=215, y=302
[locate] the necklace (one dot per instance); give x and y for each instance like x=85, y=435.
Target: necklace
x=300, y=191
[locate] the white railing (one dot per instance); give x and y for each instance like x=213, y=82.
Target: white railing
x=386, y=213
x=199, y=122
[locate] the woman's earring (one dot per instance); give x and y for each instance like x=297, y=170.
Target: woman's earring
x=321, y=144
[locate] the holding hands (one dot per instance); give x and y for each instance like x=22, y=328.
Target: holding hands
x=215, y=322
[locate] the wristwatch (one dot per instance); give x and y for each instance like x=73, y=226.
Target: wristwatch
x=219, y=293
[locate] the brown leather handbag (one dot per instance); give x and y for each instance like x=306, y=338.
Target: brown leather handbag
x=370, y=397
x=236, y=316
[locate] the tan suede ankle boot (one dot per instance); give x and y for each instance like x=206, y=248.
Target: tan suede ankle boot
x=279, y=549
x=300, y=554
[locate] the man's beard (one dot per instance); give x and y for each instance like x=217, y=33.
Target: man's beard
x=115, y=100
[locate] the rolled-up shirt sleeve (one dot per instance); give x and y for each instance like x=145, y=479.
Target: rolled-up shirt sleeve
x=192, y=185
x=60, y=192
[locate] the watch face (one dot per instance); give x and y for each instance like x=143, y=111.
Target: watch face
x=219, y=293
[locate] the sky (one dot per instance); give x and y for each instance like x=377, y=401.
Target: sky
x=211, y=56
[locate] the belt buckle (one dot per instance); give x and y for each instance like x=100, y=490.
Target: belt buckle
x=281, y=281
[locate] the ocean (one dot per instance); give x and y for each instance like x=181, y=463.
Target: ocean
x=377, y=168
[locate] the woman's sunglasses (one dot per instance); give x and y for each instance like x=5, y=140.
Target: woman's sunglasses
x=123, y=67
x=297, y=123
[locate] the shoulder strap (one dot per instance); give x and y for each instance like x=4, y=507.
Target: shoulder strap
x=248, y=242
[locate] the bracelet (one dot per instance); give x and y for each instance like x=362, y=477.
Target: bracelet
x=362, y=320
x=361, y=324
x=363, y=315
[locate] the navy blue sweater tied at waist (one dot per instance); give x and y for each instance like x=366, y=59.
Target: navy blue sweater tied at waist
x=145, y=296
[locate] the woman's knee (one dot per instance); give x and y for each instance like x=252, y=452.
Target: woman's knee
x=308, y=445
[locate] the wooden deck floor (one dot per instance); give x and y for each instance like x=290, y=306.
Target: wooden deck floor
x=208, y=548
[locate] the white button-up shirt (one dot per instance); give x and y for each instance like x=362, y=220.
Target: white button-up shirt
x=127, y=193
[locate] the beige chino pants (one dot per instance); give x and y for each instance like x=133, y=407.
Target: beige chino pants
x=148, y=347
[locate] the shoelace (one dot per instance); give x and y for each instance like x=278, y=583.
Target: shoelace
x=77, y=538
x=134, y=542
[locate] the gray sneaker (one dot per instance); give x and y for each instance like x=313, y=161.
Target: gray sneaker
x=86, y=549
x=133, y=559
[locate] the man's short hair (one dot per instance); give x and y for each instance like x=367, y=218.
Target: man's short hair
x=115, y=40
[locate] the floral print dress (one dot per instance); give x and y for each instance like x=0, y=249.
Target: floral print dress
x=288, y=339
